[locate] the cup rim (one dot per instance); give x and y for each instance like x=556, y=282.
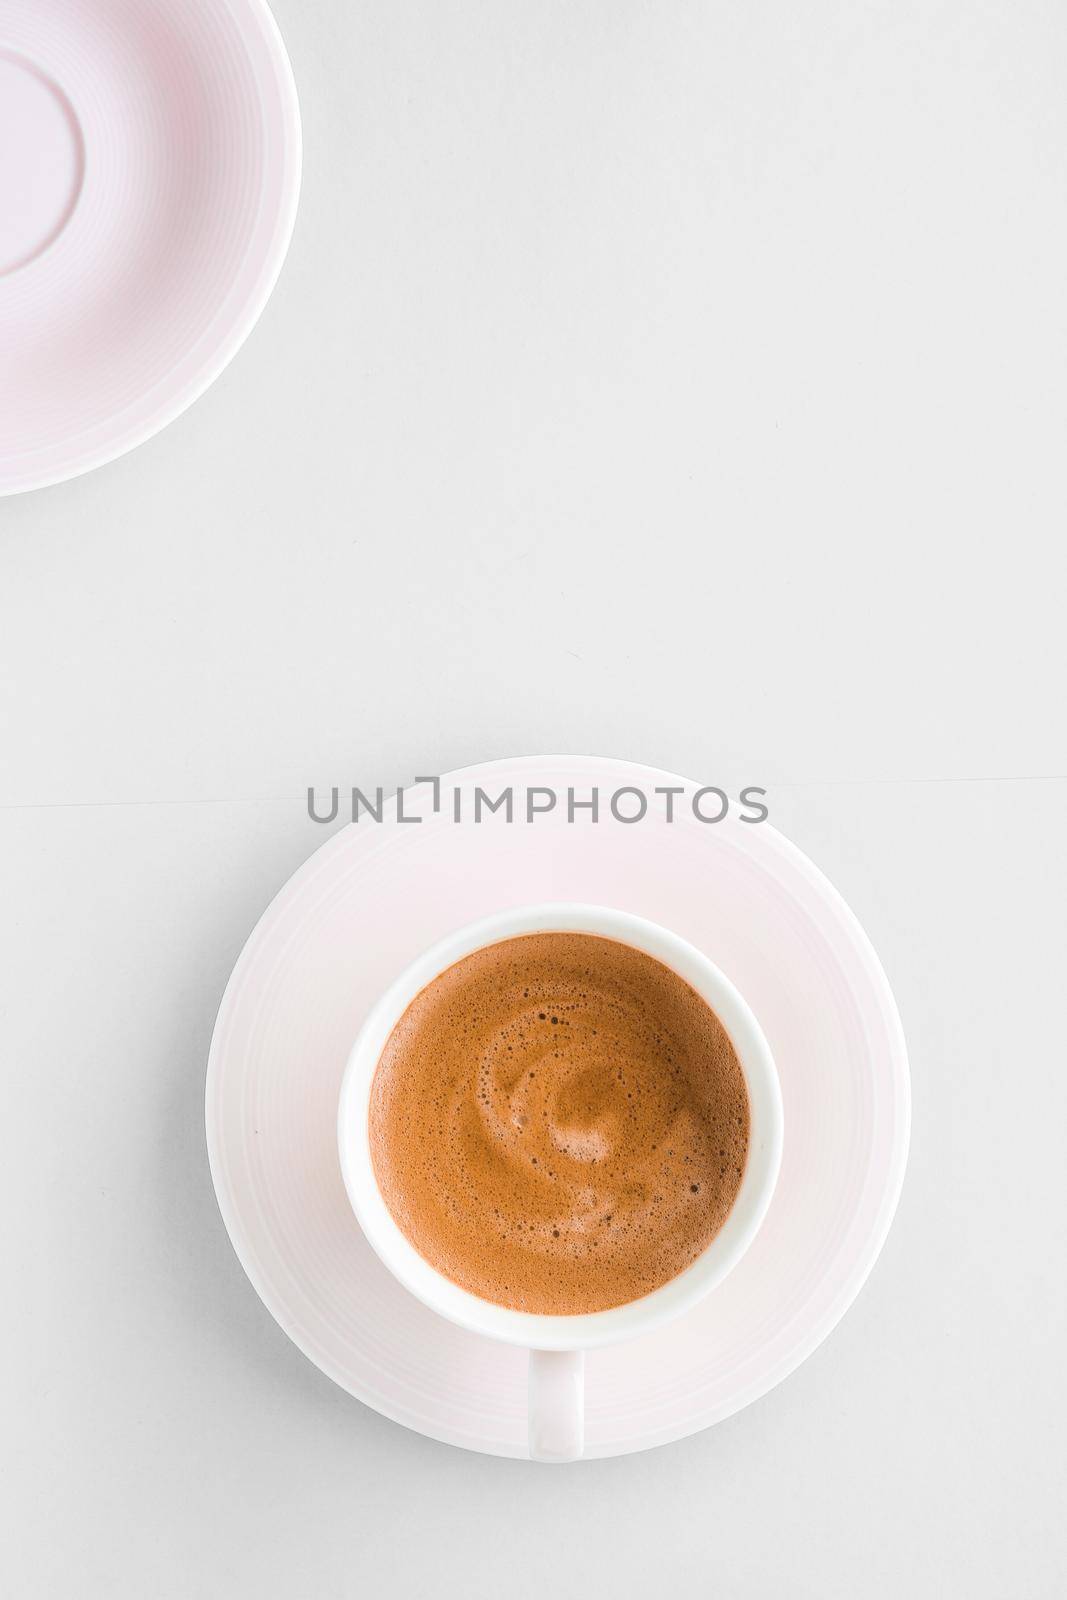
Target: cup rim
x=586, y=1330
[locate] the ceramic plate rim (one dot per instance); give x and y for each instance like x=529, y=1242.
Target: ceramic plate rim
x=228, y=347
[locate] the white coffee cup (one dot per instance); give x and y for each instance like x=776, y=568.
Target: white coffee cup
x=557, y=1343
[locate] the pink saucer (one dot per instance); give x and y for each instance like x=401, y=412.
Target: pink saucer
x=149, y=171
x=358, y=911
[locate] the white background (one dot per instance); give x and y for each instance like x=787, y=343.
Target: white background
x=682, y=382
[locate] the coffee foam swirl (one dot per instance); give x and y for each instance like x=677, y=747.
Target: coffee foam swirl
x=559, y=1123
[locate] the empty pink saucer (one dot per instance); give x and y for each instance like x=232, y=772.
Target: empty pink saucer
x=149, y=173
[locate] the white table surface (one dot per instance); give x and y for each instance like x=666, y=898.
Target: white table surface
x=684, y=383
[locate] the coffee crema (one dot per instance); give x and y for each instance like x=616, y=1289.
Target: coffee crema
x=559, y=1123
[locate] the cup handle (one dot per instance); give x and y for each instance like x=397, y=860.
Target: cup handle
x=557, y=1405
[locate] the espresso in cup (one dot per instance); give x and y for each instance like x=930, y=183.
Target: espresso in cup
x=559, y=1123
